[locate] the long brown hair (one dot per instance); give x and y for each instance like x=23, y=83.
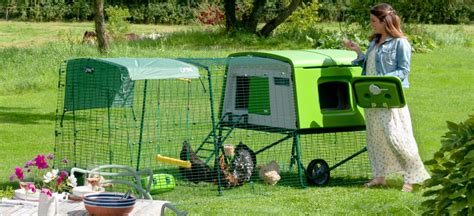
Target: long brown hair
x=385, y=13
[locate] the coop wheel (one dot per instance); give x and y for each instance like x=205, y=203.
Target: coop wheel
x=317, y=172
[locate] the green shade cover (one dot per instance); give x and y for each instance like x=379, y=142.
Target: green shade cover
x=105, y=82
x=378, y=92
x=155, y=68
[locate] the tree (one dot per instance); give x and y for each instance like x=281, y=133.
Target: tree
x=100, y=26
x=249, y=23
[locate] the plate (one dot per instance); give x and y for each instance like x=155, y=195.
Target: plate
x=80, y=191
x=20, y=194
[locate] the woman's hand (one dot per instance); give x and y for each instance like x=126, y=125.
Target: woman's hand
x=351, y=45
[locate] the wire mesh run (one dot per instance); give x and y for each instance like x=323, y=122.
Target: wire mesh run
x=237, y=123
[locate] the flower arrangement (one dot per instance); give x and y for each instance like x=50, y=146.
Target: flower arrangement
x=36, y=174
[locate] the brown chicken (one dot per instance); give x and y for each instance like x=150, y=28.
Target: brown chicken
x=199, y=170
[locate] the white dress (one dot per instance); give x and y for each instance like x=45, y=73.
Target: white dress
x=391, y=145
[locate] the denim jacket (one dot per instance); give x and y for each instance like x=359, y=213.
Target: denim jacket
x=392, y=59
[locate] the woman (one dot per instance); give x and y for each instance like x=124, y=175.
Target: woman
x=390, y=142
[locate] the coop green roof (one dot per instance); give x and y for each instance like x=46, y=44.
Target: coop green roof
x=307, y=58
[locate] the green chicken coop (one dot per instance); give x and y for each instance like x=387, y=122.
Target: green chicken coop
x=296, y=108
x=308, y=95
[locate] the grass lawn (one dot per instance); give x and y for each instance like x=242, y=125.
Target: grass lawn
x=441, y=90
x=27, y=34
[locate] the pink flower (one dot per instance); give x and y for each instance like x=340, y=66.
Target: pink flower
x=65, y=161
x=19, y=173
x=50, y=156
x=60, y=180
x=31, y=187
x=41, y=162
x=62, y=176
x=12, y=177
x=29, y=163
x=47, y=192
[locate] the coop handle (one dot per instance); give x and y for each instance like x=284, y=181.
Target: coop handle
x=376, y=90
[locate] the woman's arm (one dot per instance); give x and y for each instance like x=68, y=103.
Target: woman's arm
x=359, y=60
x=353, y=46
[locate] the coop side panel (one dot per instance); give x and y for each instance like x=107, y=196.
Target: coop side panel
x=242, y=96
x=325, y=99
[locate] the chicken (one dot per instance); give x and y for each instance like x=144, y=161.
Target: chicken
x=270, y=173
x=228, y=178
x=199, y=170
x=244, y=163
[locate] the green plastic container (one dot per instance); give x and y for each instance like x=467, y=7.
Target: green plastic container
x=161, y=183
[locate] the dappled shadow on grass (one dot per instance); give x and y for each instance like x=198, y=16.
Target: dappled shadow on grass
x=8, y=109
x=8, y=115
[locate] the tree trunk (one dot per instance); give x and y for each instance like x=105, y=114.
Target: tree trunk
x=279, y=19
x=100, y=26
x=231, y=23
x=251, y=23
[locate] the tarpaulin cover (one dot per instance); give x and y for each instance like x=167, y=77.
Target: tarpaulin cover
x=105, y=82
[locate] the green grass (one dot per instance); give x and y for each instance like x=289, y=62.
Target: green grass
x=441, y=90
x=26, y=34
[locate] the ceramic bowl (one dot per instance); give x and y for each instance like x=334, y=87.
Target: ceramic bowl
x=108, y=211
x=108, y=203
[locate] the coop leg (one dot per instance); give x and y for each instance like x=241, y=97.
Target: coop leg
x=297, y=156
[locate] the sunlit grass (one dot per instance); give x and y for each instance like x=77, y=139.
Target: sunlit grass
x=27, y=34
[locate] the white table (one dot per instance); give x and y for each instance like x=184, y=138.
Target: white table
x=70, y=208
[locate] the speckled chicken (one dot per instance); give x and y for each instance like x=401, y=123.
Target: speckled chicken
x=241, y=168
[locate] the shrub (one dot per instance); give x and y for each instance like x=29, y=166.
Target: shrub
x=451, y=187
x=331, y=11
x=211, y=14
x=117, y=21
x=304, y=17
x=440, y=11
x=55, y=11
x=138, y=14
x=81, y=10
x=168, y=13
x=420, y=38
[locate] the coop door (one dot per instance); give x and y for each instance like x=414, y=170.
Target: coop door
x=378, y=92
x=334, y=96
